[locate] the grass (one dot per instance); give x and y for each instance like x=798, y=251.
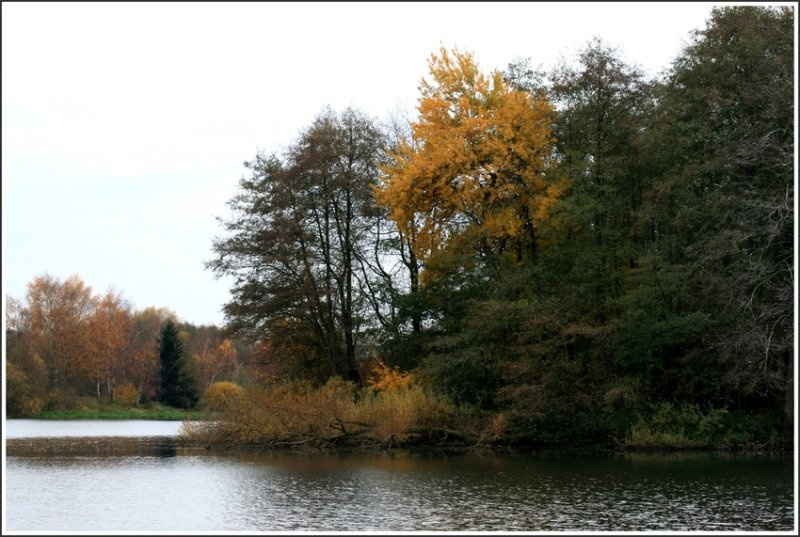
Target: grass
x=123, y=414
x=91, y=409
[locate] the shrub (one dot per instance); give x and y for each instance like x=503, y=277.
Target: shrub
x=389, y=411
x=221, y=394
x=22, y=401
x=394, y=414
x=687, y=426
x=60, y=400
x=384, y=378
x=127, y=394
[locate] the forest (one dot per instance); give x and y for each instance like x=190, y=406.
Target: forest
x=582, y=256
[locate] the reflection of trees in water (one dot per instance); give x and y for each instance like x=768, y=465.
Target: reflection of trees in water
x=166, y=448
x=160, y=446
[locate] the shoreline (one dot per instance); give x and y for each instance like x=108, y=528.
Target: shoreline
x=166, y=446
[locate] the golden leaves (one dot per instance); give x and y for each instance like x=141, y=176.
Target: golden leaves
x=384, y=378
x=477, y=165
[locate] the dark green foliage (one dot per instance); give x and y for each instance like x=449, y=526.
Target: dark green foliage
x=721, y=212
x=658, y=333
x=668, y=275
x=178, y=384
x=688, y=426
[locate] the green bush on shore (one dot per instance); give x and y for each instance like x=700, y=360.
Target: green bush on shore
x=689, y=427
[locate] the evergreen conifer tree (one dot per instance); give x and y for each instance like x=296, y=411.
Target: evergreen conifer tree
x=178, y=385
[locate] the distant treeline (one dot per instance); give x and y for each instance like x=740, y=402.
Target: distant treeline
x=65, y=342
x=577, y=256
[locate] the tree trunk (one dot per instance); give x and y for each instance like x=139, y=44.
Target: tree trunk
x=413, y=270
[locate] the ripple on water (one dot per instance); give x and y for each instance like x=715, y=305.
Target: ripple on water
x=330, y=493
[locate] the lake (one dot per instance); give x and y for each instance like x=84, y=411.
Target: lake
x=84, y=428
x=180, y=489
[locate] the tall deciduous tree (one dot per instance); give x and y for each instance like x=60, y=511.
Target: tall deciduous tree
x=26, y=375
x=604, y=105
x=215, y=357
x=472, y=185
x=619, y=295
x=59, y=316
x=300, y=237
x=109, y=330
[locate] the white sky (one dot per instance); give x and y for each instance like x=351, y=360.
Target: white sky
x=125, y=125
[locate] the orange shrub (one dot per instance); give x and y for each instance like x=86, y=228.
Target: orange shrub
x=383, y=378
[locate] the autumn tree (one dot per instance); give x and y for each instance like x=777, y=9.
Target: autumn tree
x=226, y=360
x=216, y=357
x=59, y=315
x=472, y=184
x=64, y=343
x=109, y=328
x=470, y=191
x=26, y=374
x=178, y=385
x=300, y=233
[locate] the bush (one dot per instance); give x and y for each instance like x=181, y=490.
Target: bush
x=127, y=394
x=23, y=406
x=60, y=400
x=668, y=427
x=390, y=411
x=687, y=426
x=222, y=394
x=384, y=378
x=396, y=406
x=22, y=401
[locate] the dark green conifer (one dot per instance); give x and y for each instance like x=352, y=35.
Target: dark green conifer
x=178, y=385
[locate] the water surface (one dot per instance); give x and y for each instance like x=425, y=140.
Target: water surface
x=191, y=490
x=89, y=428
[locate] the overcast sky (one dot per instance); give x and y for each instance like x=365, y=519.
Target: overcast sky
x=125, y=125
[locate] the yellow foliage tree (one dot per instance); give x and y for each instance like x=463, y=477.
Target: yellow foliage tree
x=473, y=178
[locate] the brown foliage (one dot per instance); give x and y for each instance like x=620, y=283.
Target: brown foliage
x=296, y=414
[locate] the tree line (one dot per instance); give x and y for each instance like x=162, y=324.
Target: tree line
x=580, y=251
x=65, y=342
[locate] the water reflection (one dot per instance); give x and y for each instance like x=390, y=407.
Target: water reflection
x=287, y=491
x=167, y=448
